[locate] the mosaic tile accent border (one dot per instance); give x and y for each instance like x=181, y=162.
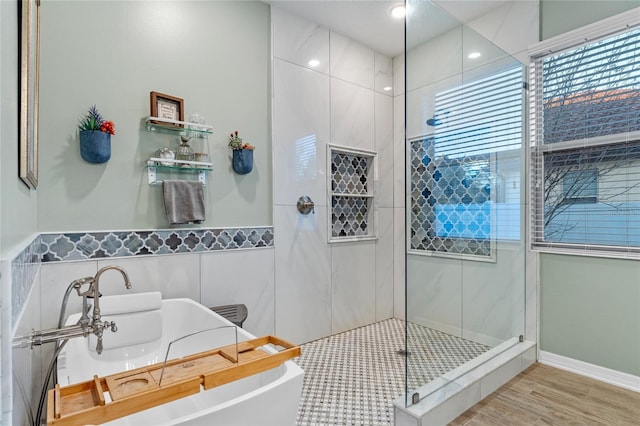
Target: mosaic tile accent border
x=100, y=245
x=24, y=268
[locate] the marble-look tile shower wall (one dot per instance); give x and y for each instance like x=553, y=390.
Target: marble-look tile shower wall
x=324, y=288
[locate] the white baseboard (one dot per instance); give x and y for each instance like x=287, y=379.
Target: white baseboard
x=607, y=375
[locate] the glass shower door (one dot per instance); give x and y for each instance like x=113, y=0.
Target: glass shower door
x=465, y=257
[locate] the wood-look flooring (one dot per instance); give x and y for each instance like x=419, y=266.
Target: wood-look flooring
x=543, y=395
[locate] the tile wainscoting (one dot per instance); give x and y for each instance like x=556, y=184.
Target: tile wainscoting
x=78, y=246
x=215, y=266
x=24, y=269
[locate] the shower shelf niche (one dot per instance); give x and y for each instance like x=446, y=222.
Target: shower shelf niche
x=351, y=197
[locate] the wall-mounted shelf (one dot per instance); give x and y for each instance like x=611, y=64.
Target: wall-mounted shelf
x=156, y=165
x=157, y=124
x=347, y=195
x=200, y=132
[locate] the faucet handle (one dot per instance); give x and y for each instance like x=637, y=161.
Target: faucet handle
x=112, y=325
x=97, y=330
x=77, y=284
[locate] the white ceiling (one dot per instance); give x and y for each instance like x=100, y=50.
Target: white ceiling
x=369, y=22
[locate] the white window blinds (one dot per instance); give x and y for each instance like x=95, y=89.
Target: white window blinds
x=585, y=146
x=481, y=117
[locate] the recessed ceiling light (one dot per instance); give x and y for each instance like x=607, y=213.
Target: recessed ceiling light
x=387, y=88
x=398, y=11
x=314, y=63
x=474, y=55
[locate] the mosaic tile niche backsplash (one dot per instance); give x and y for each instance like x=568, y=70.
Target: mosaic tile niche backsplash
x=450, y=202
x=350, y=195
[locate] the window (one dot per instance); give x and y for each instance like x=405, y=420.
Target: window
x=580, y=187
x=585, y=146
x=465, y=177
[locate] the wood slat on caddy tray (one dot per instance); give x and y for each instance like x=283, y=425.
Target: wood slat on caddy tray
x=74, y=415
x=253, y=362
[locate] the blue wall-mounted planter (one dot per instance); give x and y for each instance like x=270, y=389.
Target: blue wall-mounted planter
x=95, y=146
x=242, y=161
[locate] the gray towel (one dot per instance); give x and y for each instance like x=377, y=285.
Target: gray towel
x=183, y=201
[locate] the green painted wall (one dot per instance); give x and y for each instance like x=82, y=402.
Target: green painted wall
x=590, y=307
x=18, y=203
x=560, y=16
x=590, y=310
x=214, y=55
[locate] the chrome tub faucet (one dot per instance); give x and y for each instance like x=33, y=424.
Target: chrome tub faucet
x=85, y=325
x=99, y=326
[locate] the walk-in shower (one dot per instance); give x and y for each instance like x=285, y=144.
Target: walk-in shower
x=465, y=251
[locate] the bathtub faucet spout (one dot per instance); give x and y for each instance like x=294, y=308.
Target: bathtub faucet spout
x=97, y=325
x=85, y=324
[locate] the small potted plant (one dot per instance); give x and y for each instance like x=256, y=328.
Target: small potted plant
x=242, y=160
x=95, y=137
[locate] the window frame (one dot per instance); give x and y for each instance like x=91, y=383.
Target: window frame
x=618, y=24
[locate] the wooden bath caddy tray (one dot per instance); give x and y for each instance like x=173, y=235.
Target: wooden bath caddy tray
x=139, y=389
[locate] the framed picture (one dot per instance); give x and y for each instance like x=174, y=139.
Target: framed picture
x=29, y=78
x=168, y=108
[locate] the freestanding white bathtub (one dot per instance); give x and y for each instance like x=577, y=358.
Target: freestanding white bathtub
x=146, y=326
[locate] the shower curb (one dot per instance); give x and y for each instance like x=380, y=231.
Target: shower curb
x=454, y=398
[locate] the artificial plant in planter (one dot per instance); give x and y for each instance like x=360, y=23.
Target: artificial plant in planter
x=242, y=160
x=95, y=137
